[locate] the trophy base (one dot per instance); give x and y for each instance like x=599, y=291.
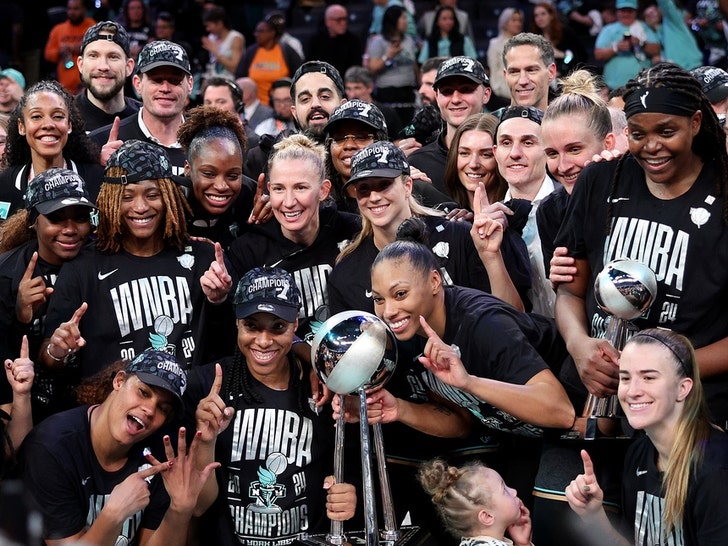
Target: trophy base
x=591, y=428
x=409, y=536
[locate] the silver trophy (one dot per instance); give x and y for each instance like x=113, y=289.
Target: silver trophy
x=624, y=289
x=356, y=352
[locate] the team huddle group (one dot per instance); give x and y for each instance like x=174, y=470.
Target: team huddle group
x=159, y=305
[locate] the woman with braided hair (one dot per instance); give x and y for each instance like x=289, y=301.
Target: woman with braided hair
x=476, y=505
x=663, y=204
x=257, y=417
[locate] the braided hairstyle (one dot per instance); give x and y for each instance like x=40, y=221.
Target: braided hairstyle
x=457, y=493
x=710, y=142
x=239, y=392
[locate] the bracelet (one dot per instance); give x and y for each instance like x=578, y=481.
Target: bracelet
x=50, y=354
x=614, y=47
x=385, y=59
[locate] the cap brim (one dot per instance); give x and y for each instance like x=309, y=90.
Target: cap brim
x=717, y=94
x=374, y=173
x=157, y=64
x=462, y=75
x=56, y=204
x=156, y=381
x=331, y=124
x=285, y=312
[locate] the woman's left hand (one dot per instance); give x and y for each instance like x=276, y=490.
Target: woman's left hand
x=340, y=499
x=442, y=359
x=182, y=480
x=217, y=282
x=21, y=371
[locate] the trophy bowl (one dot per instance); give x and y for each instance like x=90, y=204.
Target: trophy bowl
x=625, y=288
x=354, y=350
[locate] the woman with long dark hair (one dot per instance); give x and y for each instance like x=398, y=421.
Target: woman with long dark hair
x=446, y=38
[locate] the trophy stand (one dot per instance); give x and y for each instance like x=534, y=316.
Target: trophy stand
x=624, y=289
x=355, y=352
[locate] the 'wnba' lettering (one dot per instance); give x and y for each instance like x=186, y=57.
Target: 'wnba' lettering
x=137, y=303
x=656, y=245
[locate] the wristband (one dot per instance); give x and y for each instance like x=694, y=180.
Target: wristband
x=50, y=354
x=385, y=59
x=614, y=47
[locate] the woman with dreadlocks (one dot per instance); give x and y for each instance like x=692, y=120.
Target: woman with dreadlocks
x=146, y=284
x=257, y=419
x=45, y=130
x=663, y=204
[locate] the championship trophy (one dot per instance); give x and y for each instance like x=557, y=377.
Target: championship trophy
x=355, y=352
x=624, y=289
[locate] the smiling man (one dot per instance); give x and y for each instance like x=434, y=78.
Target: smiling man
x=529, y=69
x=461, y=89
x=104, y=65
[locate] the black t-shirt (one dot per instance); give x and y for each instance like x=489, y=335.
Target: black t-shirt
x=68, y=484
x=274, y=460
x=135, y=303
x=705, y=521
x=432, y=160
x=549, y=217
x=130, y=128
x=683, y=240
x=350, y=281
x=94, y=117
x=265, y=245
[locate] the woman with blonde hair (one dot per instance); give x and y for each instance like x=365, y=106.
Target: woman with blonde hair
x=673, y=485
x=510, y=23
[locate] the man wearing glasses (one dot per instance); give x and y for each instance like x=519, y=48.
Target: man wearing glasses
x=461, y=88
x=335, y=43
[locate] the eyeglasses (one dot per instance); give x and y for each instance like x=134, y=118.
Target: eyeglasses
x=62, y=215
x=463, y=89
x=366, y=187
x=359, y=140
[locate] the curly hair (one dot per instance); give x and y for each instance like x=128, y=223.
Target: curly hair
x=205, y=123
x=111, y=232
x=79, y=146
x=16, y=230
x=95, y=389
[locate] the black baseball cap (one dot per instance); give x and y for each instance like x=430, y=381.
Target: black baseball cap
x=466, y=67
x=55, y=189
x=323, y=68
x=160, y=369
x=163, y=53
x=267, y=290
x=109, y=31
x=714, y=82
x=141, y=160
x=357, y=110
x=518, y=111
x=380, y=159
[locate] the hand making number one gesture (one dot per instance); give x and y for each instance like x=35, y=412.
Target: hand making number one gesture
x=443, y=360
x=216, y=282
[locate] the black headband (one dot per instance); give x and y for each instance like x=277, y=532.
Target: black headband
x=686, y=366
x=661, y=100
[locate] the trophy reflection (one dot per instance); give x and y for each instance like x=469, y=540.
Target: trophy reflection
x=354, y=352
x=624, y=289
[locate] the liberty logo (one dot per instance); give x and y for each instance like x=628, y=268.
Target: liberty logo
x=266, y=491
x=643, y=100
x=163, y=326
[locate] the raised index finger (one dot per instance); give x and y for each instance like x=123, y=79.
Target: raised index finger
x=78, y=313
x=219, y=255
x=428, y=329
x=24, y=351
x=31, y=267
x=114, y=132
x=481, y=197
x=588, y=466
x=217, y=383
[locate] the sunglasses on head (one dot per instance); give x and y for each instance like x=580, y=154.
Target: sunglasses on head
x=366, y=187
x=463, y=89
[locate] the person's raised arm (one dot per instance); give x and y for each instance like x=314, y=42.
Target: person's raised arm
x=20, y=373
x=32, y=293
x=65, y=341
x=216, y=282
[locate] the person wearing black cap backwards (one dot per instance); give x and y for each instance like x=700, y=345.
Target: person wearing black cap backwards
x=105, y=64
x=36, y=242
x=143, y=285
x=163, y=79
x=93, y=478
x=461, y=89
x=267, y=490
x=316, y=89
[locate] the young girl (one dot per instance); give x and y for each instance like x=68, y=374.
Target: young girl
x=673, y=486
x=476, y=505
